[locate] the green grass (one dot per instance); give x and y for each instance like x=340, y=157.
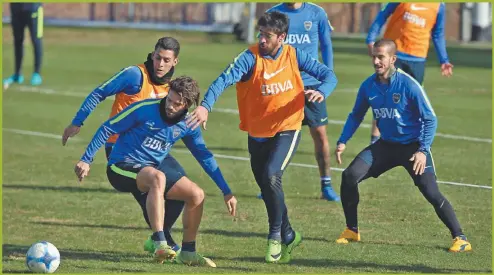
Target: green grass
x=98, y=230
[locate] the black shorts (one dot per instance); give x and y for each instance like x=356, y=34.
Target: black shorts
x=416, y=69
x=315, y=113
x=273, y=155
x=122, y=176
x=383, y=156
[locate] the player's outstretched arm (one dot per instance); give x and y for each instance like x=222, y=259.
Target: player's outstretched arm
x=318, y=70
x=120, y=123
x=128, y=81
x=440, y=42
x=378, y=23
x=356, y=116
x=324, y=32
x=239, y=69
x=196, y=145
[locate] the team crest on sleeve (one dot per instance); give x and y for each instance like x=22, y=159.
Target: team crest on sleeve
x=307, y=25
x=396, y=98
x=176, y=132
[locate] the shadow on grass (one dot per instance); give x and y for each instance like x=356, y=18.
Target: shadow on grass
x=75, y=189
x=361, y=266
x=233, y=234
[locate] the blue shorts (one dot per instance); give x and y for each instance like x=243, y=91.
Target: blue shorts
x=414, y=68
x=315, y=114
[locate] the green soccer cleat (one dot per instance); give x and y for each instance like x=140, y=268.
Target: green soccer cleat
x=193, y=258
x=286, y=249
x=273, y=253
x=149, y=245
x=163, y=253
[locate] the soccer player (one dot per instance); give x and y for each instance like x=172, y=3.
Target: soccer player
x=309, y=28
x=408, y=125
x=411, y=27
x=132, y=84
x=30, y=15
x=147, y=130
x=270, y=96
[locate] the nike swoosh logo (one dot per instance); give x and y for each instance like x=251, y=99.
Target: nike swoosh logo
x=324, y=119
x=371, y=98
x=414, y=7
x=276, y=256
x=269, y=76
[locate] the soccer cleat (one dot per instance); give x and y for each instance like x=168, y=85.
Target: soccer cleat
x=348, y=236
x=150, y=247
x=286, y=249
x=19, y=79
x=329, y=194
x=193, y=258
x=36, y=79
x=163, y=253
x=259, y=196
x=460, y=244
x=273, y=253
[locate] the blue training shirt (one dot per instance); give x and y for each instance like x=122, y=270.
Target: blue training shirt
x=128, y=81
x=437, y=32
x=242, y=67
x=309, y=28
x=402, y=111
x=144, y=138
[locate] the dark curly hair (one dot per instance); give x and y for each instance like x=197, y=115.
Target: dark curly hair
x=187, y=88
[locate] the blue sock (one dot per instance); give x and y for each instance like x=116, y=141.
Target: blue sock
x=274, y=236
x=189, y=246
x=288, y=238
x=374, y=138
x=353, y=228
x=325, y=181
x=169, y=238
x=158, y=236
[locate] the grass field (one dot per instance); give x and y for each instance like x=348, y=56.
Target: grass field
x=98, y=230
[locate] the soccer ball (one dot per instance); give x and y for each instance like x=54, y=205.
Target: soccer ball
x=42, y=257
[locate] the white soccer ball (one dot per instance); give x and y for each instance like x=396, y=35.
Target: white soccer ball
x=43, y=257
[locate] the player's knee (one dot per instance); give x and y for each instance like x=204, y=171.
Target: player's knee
x=428, y=186
x=196, y=196
x=349, y=177
x=273, y=178
x=157, y=180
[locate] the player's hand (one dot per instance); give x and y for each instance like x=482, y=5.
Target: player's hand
x=70, y=131
x=314, y=96
x=370, y=47
x=447, y=69
x=81, y=169
x=419, y=159
x=231, y=204
x=197, y=117
x=338, y=151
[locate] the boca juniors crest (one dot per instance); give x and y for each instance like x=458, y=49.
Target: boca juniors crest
x=396, y=98
x=307, y=25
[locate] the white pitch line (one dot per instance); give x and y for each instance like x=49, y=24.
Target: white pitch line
x=235, y=111
x=39, y=134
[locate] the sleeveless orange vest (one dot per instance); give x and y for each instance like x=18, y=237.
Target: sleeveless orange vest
x=410, y=27
x=272, y=100
x=148, y=90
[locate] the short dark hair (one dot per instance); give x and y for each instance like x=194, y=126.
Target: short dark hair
x=388, y=43
x=274, y=21
x=168, y=43
x=187, y=88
